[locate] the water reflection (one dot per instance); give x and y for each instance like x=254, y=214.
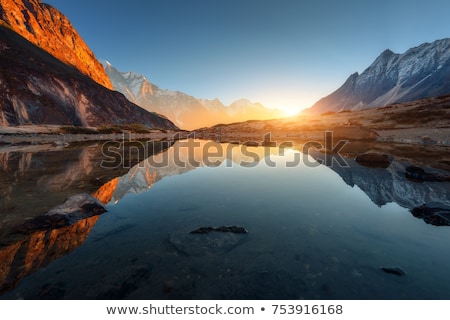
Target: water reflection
x=35, y=179
x=382, y=185
x=36, y=250
x=390, y=185
x=47, y=177
x=181, y=158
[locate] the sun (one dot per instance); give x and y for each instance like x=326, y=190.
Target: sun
x=290, y=112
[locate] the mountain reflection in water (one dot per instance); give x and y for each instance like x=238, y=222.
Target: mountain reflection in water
x=46, y=177
x=35, y=179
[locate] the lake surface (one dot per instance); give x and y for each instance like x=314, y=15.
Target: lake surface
x=314, y=232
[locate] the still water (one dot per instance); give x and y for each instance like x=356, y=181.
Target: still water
x=314, y=232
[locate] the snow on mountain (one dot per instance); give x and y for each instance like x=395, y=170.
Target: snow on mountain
x=186, y=111
x=420, y=72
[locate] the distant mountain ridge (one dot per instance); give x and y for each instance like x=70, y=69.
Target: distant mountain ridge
x=420, y=72
x=49, y=29
x=184, y=110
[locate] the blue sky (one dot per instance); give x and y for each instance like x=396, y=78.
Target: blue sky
x=282, y=53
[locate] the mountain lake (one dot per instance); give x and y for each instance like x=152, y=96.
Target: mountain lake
x=198, y=219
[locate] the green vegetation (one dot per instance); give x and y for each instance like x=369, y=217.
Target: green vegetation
x=137, y=128
x=107, y=129
x=77, y=130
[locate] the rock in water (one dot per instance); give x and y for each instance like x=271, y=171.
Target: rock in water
x=420, y=175
x=74, y=209
x=434, y=214
x=394, y=270
x=81, y=204
x=208, y=240
x=377, y=160
x=231, y=229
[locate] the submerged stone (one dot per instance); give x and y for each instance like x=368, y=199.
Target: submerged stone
x=208, y=240
x=232, y=229
x=394, y=270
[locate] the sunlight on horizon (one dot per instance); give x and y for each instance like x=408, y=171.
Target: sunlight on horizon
x=289, y=112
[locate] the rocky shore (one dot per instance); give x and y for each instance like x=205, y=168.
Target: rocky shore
x=39, y=135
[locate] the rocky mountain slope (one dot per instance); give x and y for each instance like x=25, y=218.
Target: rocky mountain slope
x=49, y=29
x=186, y=111
x=37, y=88
x=420, y=72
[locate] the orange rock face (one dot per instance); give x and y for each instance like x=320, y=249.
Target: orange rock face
x=50, y=30
x=33, y=251
x=105, y=193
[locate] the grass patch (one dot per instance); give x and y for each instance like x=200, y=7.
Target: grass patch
x=77, y=130
x=106, y=129
x=127, y=128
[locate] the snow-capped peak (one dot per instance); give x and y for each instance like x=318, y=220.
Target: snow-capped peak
x=420, y=72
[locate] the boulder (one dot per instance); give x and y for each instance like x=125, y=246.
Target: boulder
x=420, y=175
x=372, y=159
x=74, y=209
x=394, y=270
x=434, y=214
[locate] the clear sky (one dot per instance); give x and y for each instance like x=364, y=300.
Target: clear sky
x=282, y=53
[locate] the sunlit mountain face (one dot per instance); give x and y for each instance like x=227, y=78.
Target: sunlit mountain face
x=51, y=77
x=47, y=28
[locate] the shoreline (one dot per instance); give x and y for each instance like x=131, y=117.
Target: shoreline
x=40, y=135
x=407, y=136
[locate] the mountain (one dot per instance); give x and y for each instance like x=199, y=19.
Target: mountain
x=186, y=111
x=420, y=72
x=37, y=88
x=49, y=29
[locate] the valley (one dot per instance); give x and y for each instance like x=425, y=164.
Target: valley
x=113, y=187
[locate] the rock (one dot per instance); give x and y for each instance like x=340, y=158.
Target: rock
x=232, y=229
x=415, y=173
x=208, y=240
x=394, y=270
x=434, y=214
x=428, y=141
x=420, y=175
x=354, y=133
x=371, y=159
x=61, y=144
x=74, y=209
x=79, y=204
